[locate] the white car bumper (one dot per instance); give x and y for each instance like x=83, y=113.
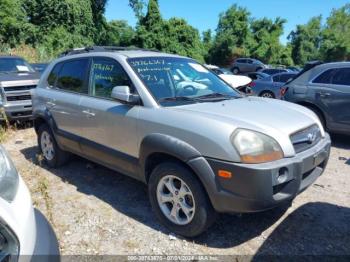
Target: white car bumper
x=34, y=234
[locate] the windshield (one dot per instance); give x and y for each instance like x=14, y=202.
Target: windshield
x=14, y=64
x=172, y=81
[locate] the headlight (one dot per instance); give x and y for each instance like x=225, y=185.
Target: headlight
x=254, y=147
x=9, y=245
x=8, y=177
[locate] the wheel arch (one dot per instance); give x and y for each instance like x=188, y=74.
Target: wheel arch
x=157, y=147
x=315, y=107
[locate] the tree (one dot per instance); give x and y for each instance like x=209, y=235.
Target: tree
x=120, y=33
x=305, y=41
x=265, y=44
x=208, y=42
x=335, y=44
x=182, y=39
x=14, y=27
x=232, y=36
x=150, y=30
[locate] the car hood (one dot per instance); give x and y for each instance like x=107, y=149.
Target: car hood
x=235, y=80
x=19, y=76
x=278, y=119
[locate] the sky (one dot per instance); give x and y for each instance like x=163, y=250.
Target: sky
x=204, y=14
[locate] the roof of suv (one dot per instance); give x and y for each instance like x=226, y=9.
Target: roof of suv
x=130, y=52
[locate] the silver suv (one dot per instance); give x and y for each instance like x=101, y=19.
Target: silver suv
x=199, y=145
x=244, y=65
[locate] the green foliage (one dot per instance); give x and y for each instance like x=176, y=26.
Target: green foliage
x=39, y=30
x=14, y=27
x=173, y=35
x=335, y=44
x=120, y=33
x=265, y=44
x=232, y=36
x=305, y=41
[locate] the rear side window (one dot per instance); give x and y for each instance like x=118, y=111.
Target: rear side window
x=282, y=78
x=72, y=76
x=325, y=77
x=341, y=77
x=106, y=73
x=51, y=80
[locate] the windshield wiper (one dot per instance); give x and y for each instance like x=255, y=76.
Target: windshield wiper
x=178, y=98
x=216, y=95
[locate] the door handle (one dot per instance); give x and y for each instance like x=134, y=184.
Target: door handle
x=88, y=113
x=50, y=104
x=322, y=94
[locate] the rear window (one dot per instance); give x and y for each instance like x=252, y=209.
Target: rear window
x=72, y=76
x=341, y=77
x=325, y=77
x=283, y=78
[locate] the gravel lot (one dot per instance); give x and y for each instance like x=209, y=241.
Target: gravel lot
x=97, y=211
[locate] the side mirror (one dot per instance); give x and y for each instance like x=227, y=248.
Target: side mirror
x=122, y=93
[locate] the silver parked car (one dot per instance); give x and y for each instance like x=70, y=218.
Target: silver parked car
x=325, y=89
x=270, y=86
x=201, y=148
x=17, y=78
x=243, y=65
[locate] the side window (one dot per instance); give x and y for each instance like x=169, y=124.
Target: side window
x=72, y=76
x=342, y=77
x=325, y=77
x=107, y=73
x=285, y=77
x=276, y=78
x=51, y=80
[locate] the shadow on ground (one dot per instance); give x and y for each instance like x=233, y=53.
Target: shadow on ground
x=307, y=226
x=341, y=141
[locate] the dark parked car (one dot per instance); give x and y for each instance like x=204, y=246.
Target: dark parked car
x=242, y=65
x=273, y=71
x=39, y=67
x=270, y=86
x=325, y=89
x=257, y=75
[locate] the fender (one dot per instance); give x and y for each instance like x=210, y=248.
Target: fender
x=160, y=143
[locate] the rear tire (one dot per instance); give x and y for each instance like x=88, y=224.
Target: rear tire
x=267, y=94
x=193, y=212
x=53, y=155
x=235, y=70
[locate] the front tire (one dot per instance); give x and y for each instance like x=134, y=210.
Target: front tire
x=267, y=94
x=179, y=200
x=53, y=155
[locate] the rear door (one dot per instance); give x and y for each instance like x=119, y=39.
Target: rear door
x=68, y=83
x=332, y=94
x=340, y=99
x=109, y=126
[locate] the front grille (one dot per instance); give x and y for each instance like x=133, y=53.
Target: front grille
x=18, y=88
x=306, y=138
x=18, y=98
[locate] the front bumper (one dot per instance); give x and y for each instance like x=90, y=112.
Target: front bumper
x=37, y=240
x=259, y=187
x=20, y=111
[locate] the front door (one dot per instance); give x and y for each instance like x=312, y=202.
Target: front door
x=109, y=126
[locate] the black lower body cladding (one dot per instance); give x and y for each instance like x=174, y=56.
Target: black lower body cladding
x=259, y=187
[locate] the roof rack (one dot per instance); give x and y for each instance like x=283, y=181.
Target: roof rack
x=89, y=49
